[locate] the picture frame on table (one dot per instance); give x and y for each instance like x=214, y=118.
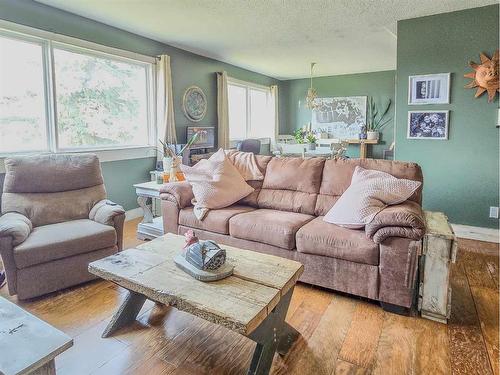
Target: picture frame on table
x=430, y=125
x=429, y=89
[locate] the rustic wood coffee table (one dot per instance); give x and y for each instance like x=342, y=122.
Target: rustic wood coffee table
x=253, y=301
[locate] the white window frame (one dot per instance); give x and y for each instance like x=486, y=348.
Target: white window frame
x=48, y=41
x=247, y=85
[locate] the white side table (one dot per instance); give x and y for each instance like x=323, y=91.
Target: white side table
x=150, y=227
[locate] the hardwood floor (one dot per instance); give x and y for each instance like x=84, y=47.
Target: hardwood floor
x=340, y=334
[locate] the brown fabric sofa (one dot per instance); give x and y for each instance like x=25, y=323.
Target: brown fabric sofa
x=55, y=220
x=284, y=217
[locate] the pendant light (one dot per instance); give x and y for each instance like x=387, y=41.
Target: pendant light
x=311, y=93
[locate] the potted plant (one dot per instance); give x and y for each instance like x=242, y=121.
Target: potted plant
x=376, y=118
x=311, y=140
x=299, y=136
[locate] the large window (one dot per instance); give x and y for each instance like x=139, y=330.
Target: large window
x=251, y=111
x=60, y=97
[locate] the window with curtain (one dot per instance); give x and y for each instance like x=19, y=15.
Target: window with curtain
x=251, y=111
x=59, y=97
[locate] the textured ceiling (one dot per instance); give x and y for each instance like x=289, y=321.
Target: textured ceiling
x=278, y=38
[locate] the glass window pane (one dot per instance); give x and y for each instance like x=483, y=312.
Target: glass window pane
x=100, y=101
x=260, y=126
x=23, y=121
x=237, y=110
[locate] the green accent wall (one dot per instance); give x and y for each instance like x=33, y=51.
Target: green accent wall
x=187, y=69
x=376, y=84
x=460, y=174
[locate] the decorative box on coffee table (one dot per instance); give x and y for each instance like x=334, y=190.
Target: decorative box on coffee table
x=439, y=250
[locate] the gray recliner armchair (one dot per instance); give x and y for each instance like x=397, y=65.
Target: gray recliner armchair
x=55, y=221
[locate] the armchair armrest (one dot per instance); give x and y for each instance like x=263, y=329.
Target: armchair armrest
x=402, y=220
x=16, y=226
x=179, y=193
x=105, y=211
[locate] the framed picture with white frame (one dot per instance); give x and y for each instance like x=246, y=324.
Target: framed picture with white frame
x=429, y=89
x=432, y=125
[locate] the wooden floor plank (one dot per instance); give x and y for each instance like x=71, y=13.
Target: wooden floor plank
x=486, y=301
x=89, y=352
x=361, y=342
x=330, y=333
x=410, y=345
x=305, y=321
x=347, y=368
x=468, y=353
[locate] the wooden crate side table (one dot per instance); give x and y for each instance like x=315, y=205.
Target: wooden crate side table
x=439, y=250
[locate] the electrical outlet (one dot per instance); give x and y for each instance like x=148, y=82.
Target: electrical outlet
x=494, y=212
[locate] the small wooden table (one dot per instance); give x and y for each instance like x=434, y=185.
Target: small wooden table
x=150, y=227
x=253, y=301
x=28, y=345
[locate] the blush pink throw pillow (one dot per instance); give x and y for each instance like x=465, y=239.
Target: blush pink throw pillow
x=216, y=183
x=369, y=193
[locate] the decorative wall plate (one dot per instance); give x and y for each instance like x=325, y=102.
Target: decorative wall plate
x=485, y=76
x=194, y=103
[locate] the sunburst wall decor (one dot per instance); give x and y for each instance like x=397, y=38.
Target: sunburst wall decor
x=484, y=76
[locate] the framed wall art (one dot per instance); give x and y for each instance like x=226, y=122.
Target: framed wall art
x=429, y=89
x=341, y=117
x=428, y=125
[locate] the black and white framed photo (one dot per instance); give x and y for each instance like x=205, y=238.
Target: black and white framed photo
x=429, y=89
x=428, y=125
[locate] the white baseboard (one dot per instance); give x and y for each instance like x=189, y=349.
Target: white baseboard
x=476, y=233
x=133, y=214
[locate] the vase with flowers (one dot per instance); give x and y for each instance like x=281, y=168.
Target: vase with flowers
x=172, y=159
x=376, y=119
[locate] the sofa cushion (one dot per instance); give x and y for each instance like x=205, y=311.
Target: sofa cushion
x=277, y=228
x=295, y=174
x=291, y=184
x=246, y=164
x=251, y=199
x=337, y=175
x=216, y=220
x=57, y=241
x=321, y=238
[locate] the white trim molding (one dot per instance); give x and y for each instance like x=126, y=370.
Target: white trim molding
x=476, y=233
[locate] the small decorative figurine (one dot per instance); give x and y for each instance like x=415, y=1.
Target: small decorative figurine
x=204, y=260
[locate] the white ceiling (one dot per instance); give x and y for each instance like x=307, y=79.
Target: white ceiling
x=278, y=38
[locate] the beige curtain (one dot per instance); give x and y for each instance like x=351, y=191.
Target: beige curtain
x=222, y=111
x=165, y=102
x=274, y=114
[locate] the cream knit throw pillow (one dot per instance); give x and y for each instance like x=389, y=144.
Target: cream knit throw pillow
x=216, y=183
x=369, y=193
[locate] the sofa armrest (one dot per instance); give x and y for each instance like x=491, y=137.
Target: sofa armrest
x=105, y=211
x=16, y=226
x=402, y=220
x=179, y=193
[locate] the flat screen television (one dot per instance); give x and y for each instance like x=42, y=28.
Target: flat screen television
x=206, y=139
